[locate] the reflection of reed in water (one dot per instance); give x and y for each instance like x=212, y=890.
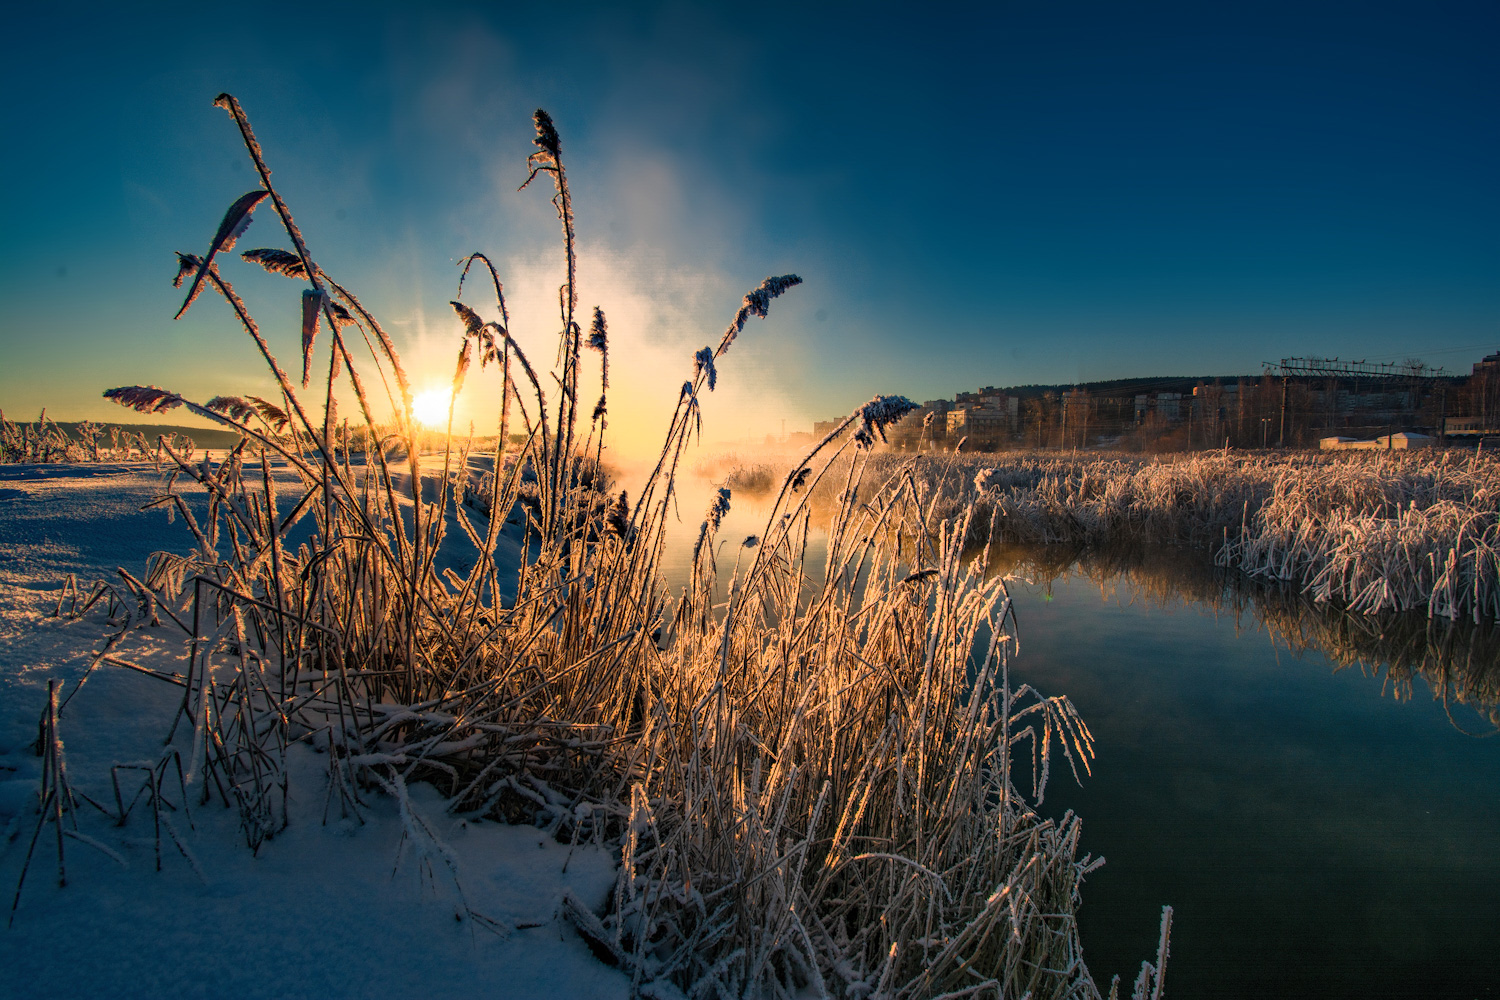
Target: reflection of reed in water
x=1460, y=661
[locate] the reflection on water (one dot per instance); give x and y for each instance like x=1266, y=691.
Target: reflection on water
x=1316, y=836
x=746, y=517
x=1459, y=662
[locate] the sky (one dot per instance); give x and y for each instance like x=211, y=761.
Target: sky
x=995, y=194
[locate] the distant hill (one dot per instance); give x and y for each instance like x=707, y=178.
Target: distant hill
x=1168, y=383
x=203, y=437
x=1128, y=386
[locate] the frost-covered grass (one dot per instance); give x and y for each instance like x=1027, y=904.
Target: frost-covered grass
x=300, y=914
x=1370, y=531
x=755, y=475
x=811, y=787
x=1382, y=535
x=45, y=442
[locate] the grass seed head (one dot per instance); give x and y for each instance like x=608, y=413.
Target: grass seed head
x=233, y=407
x=703, y=362
x=881, y=412
x=717, y=508
x=145, y=398
x=599, y=341
x=618, y=517
x=757, y=302
x=546, y=135
x=277, y=261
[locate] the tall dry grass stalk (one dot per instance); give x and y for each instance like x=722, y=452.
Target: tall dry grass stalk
x=813, y=787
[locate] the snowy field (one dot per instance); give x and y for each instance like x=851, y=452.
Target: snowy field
x=330, y=907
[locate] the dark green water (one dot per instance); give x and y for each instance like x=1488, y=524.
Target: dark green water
x=1317, y=835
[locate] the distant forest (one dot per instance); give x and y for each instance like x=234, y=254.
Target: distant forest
x=1127, y=386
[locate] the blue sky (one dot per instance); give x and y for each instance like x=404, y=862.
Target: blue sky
x=997, y=194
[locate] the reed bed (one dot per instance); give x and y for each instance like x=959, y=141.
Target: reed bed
x=1372, y=532
x=757, y=473
x=1383, y=536
x=827, y=786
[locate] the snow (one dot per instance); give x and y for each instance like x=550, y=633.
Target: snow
x=333, y=910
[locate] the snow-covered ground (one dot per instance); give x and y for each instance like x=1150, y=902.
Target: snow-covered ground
x=341, y=909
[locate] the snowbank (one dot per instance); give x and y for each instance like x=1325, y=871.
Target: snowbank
x=336, y=908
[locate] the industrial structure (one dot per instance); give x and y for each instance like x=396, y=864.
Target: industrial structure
x=1359, y=394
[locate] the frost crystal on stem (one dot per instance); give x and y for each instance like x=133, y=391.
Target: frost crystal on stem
x=703, y=361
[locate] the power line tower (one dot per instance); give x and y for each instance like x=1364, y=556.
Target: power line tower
x=1413, y=373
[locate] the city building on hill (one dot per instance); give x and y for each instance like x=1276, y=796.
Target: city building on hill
x=1166, y=405
x=1297, y=404
x=984, y=423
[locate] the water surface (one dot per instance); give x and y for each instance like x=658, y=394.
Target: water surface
x=1321, y=823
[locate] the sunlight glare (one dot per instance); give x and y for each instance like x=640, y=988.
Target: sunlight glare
x=430, y=408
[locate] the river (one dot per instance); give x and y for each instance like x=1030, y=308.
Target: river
x=1321, y=823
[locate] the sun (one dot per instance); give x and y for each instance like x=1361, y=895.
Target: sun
x=430, y=408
